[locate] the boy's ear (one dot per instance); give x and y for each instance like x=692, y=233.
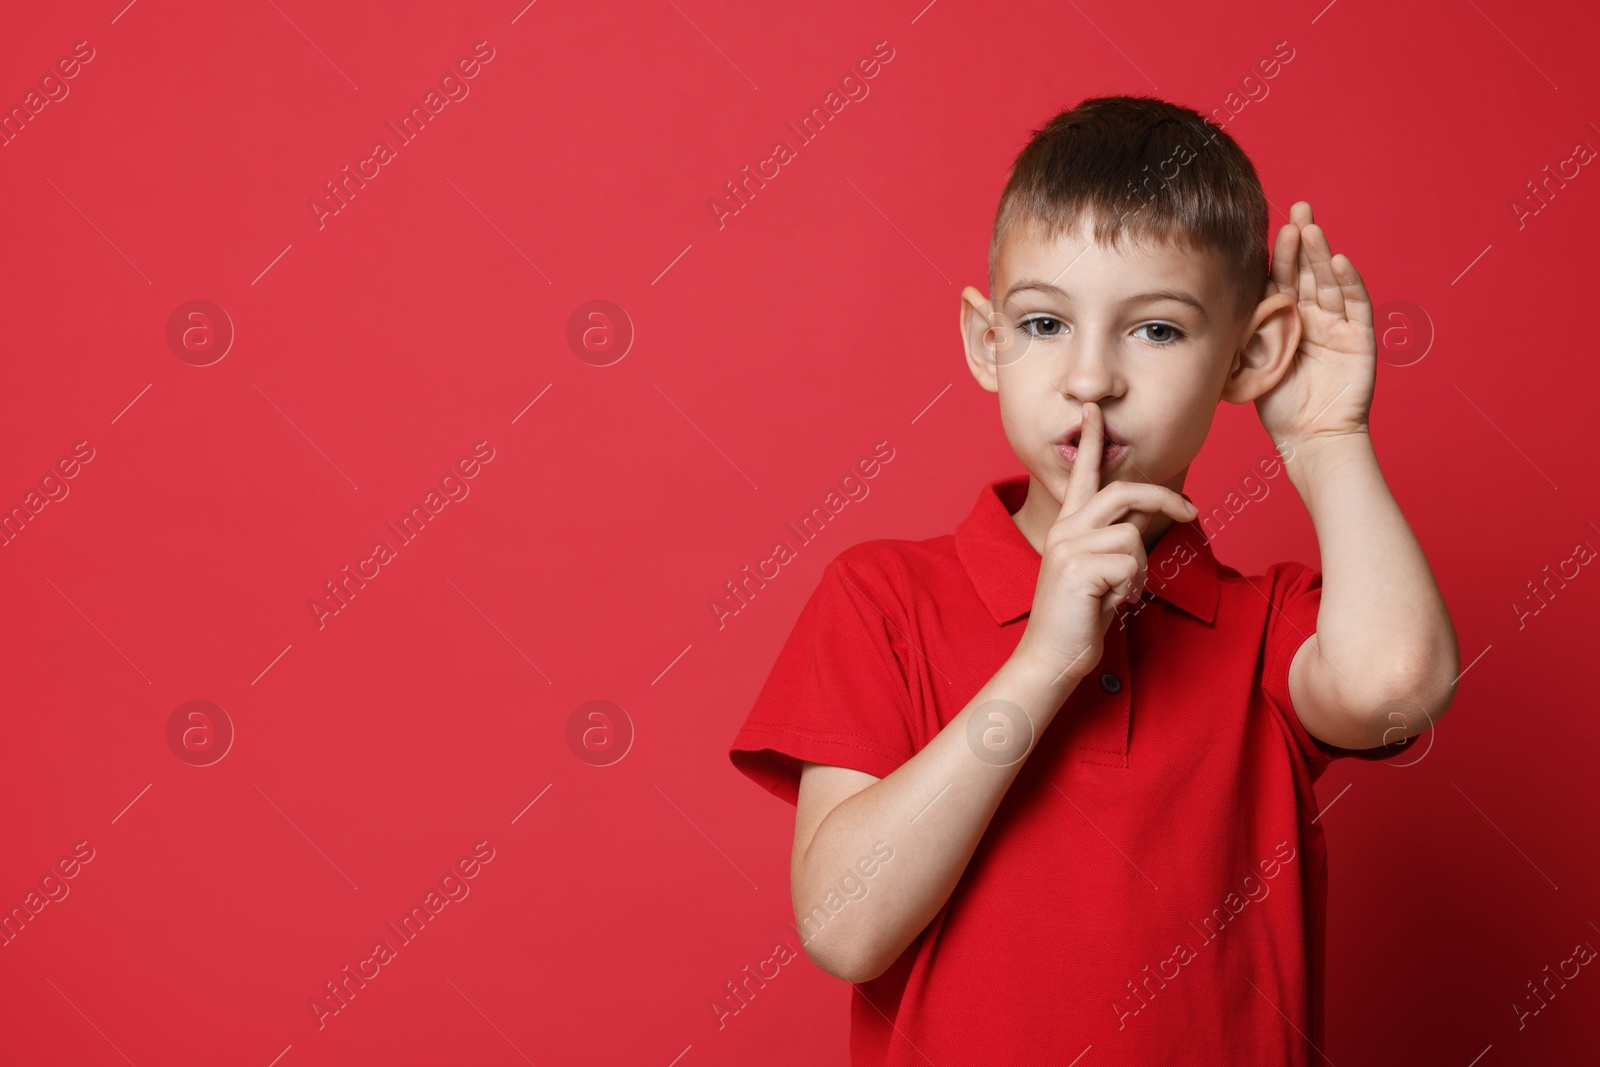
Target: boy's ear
x=1271, y=337
x=978, y=337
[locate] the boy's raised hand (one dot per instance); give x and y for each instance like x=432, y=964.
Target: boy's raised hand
x=1091, y=562
x=1328, y=387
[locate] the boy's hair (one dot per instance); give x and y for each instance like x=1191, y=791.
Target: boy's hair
x=1147, y=167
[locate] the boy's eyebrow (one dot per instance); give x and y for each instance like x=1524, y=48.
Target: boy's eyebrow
x=1180, y=295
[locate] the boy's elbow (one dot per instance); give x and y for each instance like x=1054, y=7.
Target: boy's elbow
x=1408, y=701
x=845, y=954
x=827, y=959
x=1430, y=686
x=853, y=967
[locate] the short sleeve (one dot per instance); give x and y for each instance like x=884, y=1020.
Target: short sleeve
x=1295, y=594
x=838, y=692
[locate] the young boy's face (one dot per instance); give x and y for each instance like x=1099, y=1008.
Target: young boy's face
x=1149, y=332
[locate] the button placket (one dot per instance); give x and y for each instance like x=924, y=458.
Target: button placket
x=1105, y=714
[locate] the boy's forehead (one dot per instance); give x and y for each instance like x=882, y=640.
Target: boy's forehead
x=1074, y=262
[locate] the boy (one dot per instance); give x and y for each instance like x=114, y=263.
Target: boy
x=1060, y=762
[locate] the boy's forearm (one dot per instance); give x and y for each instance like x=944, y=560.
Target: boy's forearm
x=932, y=811
x=1383, y=625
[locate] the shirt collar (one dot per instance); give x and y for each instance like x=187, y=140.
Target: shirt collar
x=1004, y=567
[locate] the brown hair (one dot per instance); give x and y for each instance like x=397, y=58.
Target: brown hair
x=1146, y=167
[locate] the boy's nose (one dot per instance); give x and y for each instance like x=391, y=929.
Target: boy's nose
x=1090, y=372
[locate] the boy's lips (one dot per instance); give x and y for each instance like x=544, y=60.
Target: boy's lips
x=1110, y=452
x=1107, y=434
x=1112, y=446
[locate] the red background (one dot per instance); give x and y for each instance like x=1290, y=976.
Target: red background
x=770, y=354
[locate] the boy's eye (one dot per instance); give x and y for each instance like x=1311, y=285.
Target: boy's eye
x=1048, y=325
x=1172, y=334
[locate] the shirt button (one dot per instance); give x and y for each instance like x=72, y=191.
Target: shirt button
x=1110, y=682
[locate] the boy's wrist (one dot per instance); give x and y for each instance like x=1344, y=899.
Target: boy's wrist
x=1044, y=682
x=1309, y=458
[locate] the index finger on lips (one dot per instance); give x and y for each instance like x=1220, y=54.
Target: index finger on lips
x=1083, y=482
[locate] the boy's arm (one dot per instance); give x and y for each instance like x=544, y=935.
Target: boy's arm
x=928, y=814
x=1384, y=660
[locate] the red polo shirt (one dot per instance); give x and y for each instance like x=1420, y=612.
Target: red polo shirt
x=1152, y=884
